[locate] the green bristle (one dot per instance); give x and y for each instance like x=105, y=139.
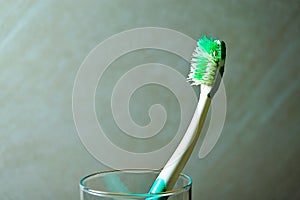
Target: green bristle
x=210, y=46
x=206, y=59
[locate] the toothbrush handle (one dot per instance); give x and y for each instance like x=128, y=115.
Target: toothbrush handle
x=170, y=173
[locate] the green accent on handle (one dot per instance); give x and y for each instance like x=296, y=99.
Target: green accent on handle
x=159, y=185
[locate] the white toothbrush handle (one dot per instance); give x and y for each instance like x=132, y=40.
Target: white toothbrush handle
x=170, y=173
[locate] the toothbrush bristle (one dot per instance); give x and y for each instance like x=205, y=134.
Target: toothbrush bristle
x=207, y=58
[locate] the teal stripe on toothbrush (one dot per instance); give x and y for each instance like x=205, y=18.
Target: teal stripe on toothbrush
x=158, y=186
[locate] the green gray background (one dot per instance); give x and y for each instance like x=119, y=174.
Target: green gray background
x=43, y=43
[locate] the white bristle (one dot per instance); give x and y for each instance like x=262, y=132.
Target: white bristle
x=211, y=68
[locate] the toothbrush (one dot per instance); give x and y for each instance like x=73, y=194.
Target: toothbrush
x=207, y=67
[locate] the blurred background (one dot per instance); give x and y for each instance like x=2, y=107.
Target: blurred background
x=43, y=44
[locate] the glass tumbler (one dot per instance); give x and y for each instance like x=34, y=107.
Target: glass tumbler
x=131, y=184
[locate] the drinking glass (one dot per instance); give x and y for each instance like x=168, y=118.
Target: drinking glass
x=131, y=184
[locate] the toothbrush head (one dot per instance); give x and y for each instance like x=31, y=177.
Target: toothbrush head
x=207, y=61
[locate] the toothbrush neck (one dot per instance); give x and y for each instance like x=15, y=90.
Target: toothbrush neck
x=205, y=90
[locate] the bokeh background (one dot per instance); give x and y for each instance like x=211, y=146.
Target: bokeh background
x=43, y=43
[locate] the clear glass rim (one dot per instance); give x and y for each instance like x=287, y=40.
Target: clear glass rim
x=116, y=194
